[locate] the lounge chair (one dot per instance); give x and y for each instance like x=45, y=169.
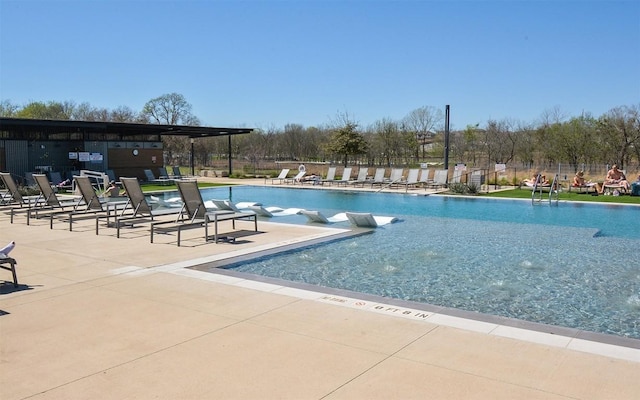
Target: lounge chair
x=11, y=262
x=48, y=202
x=412, y=179
x=151, y=178
x=457, y=176
x=424, y=178
x=274, y=211
x=586, y=187
x=227, y=205
x=396, y=176
x=537, y=188
x=282, y=176
x=95, y=206
x=198, y=215
x=439, y=179
x=331, y=176
x=363, y=173
x=178, y=175
x=315, y=216
x=362, y=218
x=367, y=220
x=142, y=210
x=611, y=188
x=297, y=178
x=163, y=174
x=58, y=182
x=12, y=196
x=378, y=178
x=112, y=176
x=346, y=175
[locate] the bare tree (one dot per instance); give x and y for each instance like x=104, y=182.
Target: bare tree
x=388, y=139
x=424, y=122
x=500, y=141
x=8, y=109
x=170, y=109
x=124, y=114
x=621, y=127
x=292, y=140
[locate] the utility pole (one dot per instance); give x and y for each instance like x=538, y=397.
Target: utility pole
x=446, y=137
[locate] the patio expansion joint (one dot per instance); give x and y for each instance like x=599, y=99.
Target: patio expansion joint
x=142, y=357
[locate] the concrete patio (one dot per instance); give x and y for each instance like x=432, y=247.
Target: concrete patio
x=96, y=317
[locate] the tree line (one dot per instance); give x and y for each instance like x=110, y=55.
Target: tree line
x=555, y=138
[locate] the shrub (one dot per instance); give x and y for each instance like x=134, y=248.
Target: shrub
x=473, y=188
x=459, y=188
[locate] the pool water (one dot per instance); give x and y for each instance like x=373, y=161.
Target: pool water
x=572, y=265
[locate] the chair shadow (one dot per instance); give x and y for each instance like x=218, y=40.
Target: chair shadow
x=7, y=287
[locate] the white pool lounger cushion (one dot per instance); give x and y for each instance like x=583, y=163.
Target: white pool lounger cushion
x=273, y=211
x=359, y=219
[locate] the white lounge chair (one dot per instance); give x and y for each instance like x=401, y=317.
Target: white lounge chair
x=297, y=178
x=396, y=176
x=346, y=175
x=282, y=176
x=439, y=178
x=457, y=176
x=274, y=211
x=378, y=178
x=318, y=217
x=362, y=177
x=331, y=176
x=424, y=178
x=412, y=179
x=367, y=220
x=226, y=205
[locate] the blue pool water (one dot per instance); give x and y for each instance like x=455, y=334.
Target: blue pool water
x=572, y=265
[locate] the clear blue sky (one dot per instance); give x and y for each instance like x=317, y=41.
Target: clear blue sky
x=268, y=63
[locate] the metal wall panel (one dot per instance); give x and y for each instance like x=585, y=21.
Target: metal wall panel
x=17, y=153
x=97, y=147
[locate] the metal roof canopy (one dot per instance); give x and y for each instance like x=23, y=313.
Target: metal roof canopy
x=23, y=125
x=16, y=126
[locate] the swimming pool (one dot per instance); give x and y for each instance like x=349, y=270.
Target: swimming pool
x=570, y=265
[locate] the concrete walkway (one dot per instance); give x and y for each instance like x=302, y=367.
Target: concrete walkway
x=96, y=317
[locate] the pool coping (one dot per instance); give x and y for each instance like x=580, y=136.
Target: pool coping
x=212, y=268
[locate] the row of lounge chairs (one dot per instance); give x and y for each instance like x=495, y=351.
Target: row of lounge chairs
x=415, y=178
x=136, y=210
x=164, y=178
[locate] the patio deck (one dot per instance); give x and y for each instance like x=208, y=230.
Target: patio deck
x=96, y=317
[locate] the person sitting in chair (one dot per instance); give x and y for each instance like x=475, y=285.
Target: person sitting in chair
x=578, y=179
x=532, y=180
x=543, y=181
x=616, y=177
x=113, y=190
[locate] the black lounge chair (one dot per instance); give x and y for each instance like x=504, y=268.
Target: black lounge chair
x=198, y=215
x=13, y=197
x=142, y=210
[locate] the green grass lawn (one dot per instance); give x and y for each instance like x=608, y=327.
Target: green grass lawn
x=569, y=196
x=512, y=194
